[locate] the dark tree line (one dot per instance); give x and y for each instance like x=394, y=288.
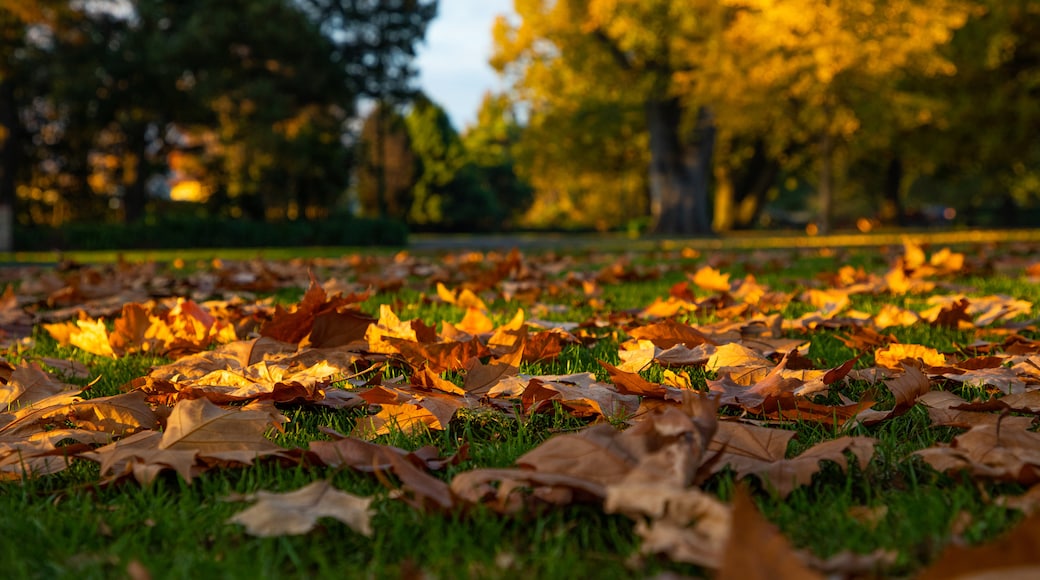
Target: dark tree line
x=251, y=103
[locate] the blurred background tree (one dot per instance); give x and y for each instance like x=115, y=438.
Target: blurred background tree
x=109, y=106
x=491, y=146
x=704, y=108
x=389, y=167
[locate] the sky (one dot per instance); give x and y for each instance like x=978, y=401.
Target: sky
x=453, y=68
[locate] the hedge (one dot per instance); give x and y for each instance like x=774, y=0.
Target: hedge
x=181, y=232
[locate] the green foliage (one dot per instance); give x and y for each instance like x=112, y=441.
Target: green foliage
x=435, y=180
x=490, y=145
x=448, y=193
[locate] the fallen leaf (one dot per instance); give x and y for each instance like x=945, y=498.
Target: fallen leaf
x=1013, y=555
x=670, y=333
x=297, y=512
x=755, y=549
x=893, y=355
x=709, y=278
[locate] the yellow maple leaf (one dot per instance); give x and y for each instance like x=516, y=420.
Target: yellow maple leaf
x=892, y=315
x=475, y=322
x=388, y=325
x=709, y=278
x=893, y=356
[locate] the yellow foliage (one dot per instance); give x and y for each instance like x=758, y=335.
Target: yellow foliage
x=189, y=190
x=786, y=70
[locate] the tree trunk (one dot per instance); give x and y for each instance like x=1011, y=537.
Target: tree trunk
x=679, y=170
x=9, y=130
x=893, y=190
x=381, y=131
x=135, y=197
x=739, y=199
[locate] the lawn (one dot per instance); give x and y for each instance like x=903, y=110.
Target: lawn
x=674, y=408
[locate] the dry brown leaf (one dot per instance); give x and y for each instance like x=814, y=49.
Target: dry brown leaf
x=594, y=454
x=948, y=409
x=950, y=315
x=427, y=378
x=736, y=355
x=751, y=392
x=405, y=417
x=296, y=323
x=1005, y=380
x=439, y=357
x=28, y=385
x=118, y=414
x=22, y=458
x=829, y=302
x=475, y=322
x=511, y=490
x=418, y=488
x=388, y=325
x=481, y=378
x=464, y=298
x=338, y=329
x=218, y=434
x=746, y=447
x=365, y=456
x=907, y=387
x=631, y=383
x=580, y=394
x=546, y=345
x=786, y=475
x=755, y=549
x=139, y=456
x=1013, y=555
x=892, y=315
x=88, y=335
x=752, y=450
x=670, y=333
x=685, y=525
x=990, y=451
x=297, y=512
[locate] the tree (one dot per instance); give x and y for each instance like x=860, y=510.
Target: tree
x=774, y=85
x=830, y=70
x=255, y=97
x=490, y=147
x=622, y=55
x=18, y=74
x=980, y=148
x=12, y=36
x=388, y=166
x=375, y=41
x=275, y=101
x=448, y=193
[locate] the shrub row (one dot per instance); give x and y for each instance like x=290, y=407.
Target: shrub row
x=182, y=232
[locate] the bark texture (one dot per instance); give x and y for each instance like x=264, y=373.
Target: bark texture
x=679, y=169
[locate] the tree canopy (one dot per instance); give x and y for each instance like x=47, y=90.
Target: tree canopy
x=249, y=104
x=709, y=107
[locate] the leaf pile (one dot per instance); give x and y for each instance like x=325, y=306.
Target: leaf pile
x=732, y=374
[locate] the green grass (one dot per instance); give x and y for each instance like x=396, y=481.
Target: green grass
x=65, y=525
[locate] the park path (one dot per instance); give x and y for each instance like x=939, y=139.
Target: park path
x=742, y=240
